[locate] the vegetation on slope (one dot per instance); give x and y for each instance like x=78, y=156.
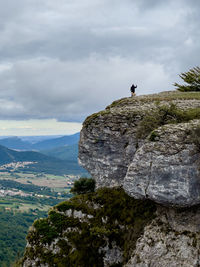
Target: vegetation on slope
x=40, y=162
x=114, y=217
x=83, y=186
x=162, y=115
x=13, y=230
x=163, y=96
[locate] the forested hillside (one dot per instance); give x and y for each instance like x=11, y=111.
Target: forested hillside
x=13, y=230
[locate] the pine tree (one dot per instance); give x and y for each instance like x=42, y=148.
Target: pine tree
x=192, y=79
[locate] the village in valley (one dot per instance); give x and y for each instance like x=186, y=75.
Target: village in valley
x=29, y=191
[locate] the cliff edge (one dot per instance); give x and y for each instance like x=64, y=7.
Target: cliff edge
x=146, y=144
x=144, y=153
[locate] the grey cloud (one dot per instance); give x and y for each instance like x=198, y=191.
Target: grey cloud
x=45, y=88
x=68, y=59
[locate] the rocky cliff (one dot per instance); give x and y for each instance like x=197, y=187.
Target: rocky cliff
x=159, y=160
x=149, y=147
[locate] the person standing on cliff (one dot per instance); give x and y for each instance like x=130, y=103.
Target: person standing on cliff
x=133, y=87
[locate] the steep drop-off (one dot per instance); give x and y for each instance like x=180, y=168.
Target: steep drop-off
x=161, y=165
x=150, y=146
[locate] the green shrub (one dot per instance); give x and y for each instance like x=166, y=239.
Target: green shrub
x=83, y=186
x=153, y=137
x=125, y=219
x=45, y=232
x=192, y=79
x=164, y=115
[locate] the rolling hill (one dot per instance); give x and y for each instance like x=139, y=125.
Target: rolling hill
x=41, y=162
x=64, y=152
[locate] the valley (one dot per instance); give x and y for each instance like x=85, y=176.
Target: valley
x=25, y=197
x=34, y=176
x=21, y=192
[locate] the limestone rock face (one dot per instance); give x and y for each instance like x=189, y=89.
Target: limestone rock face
x=161, y=246
x=171, y=239
x=108, y=144
x=180, y=220
x=108, y=138
x=111, y=228
x=166, y=170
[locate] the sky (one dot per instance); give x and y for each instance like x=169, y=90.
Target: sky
x=63, y=60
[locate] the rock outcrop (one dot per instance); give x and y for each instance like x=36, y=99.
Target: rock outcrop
x=166, y=169
x=171, y=239
x=163, y=168
x=156, y=222
x=93, y=230
x=162, y=246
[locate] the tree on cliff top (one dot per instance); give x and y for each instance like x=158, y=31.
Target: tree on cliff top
x=192, y=79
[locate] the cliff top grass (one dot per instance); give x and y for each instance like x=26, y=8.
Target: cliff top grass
x=135, y=102
x=163, y=96
x=162, y=115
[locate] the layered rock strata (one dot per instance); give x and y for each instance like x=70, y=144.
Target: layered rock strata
x=163, y=168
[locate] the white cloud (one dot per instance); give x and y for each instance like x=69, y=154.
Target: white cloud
x=38, y=127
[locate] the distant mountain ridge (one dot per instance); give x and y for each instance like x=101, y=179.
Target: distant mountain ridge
x=41, y=162
x=57, y=142
x=8, y=155
x=15, y=143
x=18, y=144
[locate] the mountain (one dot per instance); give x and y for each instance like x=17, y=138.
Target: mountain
x=38, y=138
x=15, y=143
x=146, y=151
x=41, y=162
x=32, y=143
x=64, y=152
x=57, y=142
x=8, y=155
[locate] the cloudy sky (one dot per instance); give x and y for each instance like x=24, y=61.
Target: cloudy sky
x=63, y=60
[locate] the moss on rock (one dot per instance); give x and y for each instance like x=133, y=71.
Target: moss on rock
x=115, y=220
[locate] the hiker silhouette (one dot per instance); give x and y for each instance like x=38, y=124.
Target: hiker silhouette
x=132, y=89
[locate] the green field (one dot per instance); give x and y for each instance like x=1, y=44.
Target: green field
x=23, y=198
x=56, y=182
x=34, y=191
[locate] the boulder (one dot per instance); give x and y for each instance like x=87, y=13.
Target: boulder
x=166, y=170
